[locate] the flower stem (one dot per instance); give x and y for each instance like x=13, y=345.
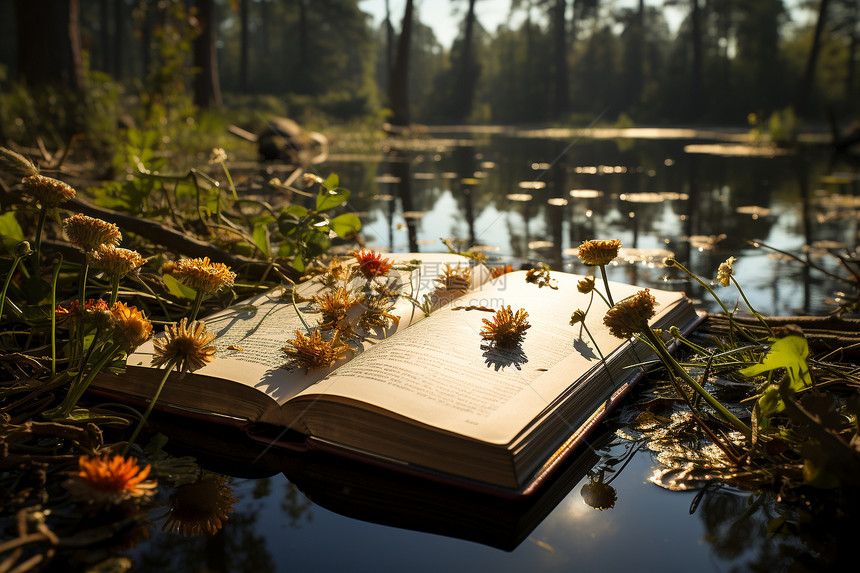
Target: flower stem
x=195, y=308
x=708, y=288
x=37, y=254
x=114, y=290
x=54, y=313
x=606, y=285
x=752, y=310
x=168, y=369
x=77, y=390
x=670, y=362
x=6, y=283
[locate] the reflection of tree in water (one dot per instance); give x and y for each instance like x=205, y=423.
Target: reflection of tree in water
x=296, y=506
x=760, y=534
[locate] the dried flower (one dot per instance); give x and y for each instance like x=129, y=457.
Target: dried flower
x=47, y=191
x=376, y=313
x=334, y=306
x=110, y=480
x=586, y=285
x=203, y=275
x=371, y=264
x=131, y=324
x=496, y=272
x=577, y=317
x=89, y=233
x=335, y=273
x=115, y=261
x=599, y=495
x=630, y=316
x=598, y=253
x=724, y=273
x=454, y=279
x=312, y=351
x=200, y=507
x=506, y=329
x=540, y=276
x=218, y=155
x=184, y=345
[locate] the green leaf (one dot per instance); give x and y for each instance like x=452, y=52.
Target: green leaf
x=10, y=231
x=331, y=182
x=345, y=225
x=298, y=264
x=770, y=403
x=261, y=238
x=330, y=199
x=178, y=289
x=790, y=353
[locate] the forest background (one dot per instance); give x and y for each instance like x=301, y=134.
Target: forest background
x=552, y=61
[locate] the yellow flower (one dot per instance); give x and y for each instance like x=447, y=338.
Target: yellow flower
x=507, y=329
x=334, y=306
x=89, y=233
x=724, y=273
x=586, y=285
x=312, y=351
x=200, y=507
x=184, y=345
x=454, y=279
x=131, y=324
x=203, y=275
x=598, y=253
x=110, y=480
x=47, y=191
x=115, y=261
x=630, y=316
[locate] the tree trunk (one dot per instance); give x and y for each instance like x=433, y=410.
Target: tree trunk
x=467, y=67
x=49, y=43
x=207, y=87
x=398, y=86
x=304, y=71
x=243, y=45
x=697, y=83
x=561, y=76
x=118, y=40
x=805, y=89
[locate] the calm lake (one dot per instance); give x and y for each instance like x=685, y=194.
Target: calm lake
x=521, y=198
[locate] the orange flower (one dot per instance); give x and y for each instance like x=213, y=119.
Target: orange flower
x=371, y=264
x=507, y=329
x=110, y=480
x=334, y=307
x=131, y=323
x=630, y=316
x=94, y=311
x=496, y=272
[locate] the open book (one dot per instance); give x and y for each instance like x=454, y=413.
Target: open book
x=424, y=394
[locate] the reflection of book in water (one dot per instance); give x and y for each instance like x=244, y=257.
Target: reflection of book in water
x=428, y=399
x=376, y=495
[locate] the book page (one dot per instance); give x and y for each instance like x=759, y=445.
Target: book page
x=439, y=373
x=250, y=335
